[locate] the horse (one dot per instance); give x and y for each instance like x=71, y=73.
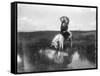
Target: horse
x=59, y=40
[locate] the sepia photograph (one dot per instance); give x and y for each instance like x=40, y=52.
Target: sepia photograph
x=56, y=38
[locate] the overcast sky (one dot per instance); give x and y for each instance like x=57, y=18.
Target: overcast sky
x=46, y=17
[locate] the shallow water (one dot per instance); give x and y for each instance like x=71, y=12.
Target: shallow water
x=76, y=63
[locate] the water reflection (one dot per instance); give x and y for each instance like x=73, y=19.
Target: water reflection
x=48, y=56
x=78, y=63
x=19, y=59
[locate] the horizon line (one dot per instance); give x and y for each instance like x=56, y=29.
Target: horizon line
x=54, y=30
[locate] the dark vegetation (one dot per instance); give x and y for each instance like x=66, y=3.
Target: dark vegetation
x=29, y=44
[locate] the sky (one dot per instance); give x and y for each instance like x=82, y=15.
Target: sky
x=47, y=18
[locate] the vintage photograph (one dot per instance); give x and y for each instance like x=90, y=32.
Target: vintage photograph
x=55, y=38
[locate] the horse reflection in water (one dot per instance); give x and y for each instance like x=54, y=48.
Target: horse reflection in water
x=51, y=54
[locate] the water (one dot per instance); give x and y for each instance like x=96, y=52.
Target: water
x=78, y=63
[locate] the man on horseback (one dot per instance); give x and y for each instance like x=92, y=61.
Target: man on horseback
x=60, y=39
x=64, y=29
